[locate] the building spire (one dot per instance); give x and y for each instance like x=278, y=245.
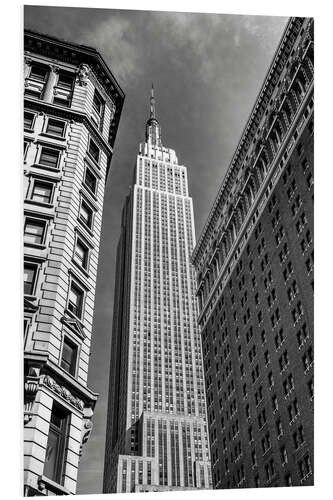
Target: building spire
x=153, y=128
x=152, y=102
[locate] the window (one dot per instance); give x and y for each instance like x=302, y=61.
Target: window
x=75, y=299
x=55, y=127
x=42, y=192
x=49, y=157
x=69, y=356
x=65, y=81
x=93, y=150
x=55, y=449
x=98, y=108
x=28, y=120
x=86, y=214
x=90, y=180
x=38, y=73
x=34, y=231
x=81, y=253
x=30, y=274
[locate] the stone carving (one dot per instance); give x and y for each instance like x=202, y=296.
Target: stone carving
x=54, y=68
x=82, y=74
x=63, y=392
x=86, y=427
x=31, y=385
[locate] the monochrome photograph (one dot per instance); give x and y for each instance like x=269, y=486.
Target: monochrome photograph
x=168, y=244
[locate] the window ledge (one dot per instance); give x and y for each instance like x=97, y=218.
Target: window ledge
x=38, y=246
x=89, y=231
x=39, y=203
x=45, y=483
x=45, y=167
x=52, y=136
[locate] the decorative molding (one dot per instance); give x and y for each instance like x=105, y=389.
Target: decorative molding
x=63, y=392
x=82, y=74
x=74, y=325
x=31, y=384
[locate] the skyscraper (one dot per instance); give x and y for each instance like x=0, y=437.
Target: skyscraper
x=156, y=429
x=72, y=107
x=254, y=261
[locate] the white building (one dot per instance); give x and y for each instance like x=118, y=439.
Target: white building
x=157, y=432
x=72, y=106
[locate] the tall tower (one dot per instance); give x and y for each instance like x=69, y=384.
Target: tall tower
x=156, y=430
x=72, y=107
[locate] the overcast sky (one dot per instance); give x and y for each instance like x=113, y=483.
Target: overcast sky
x=207, y=70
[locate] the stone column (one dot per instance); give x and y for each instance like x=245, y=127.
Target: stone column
x=50, y=83
x=27, y=64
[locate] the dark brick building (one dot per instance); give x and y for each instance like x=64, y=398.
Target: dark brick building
x=254, y=263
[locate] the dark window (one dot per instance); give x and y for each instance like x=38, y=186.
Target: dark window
x=28, y=120
x=49, y=158
x=38, y=73
x=65, y=81
x=94, y=150
x=81, y=253
x=75, y=300
x=55, y=449
x=90, y=180
x=42, y=192
x=55, y=127
x=86, y=214
x=69, y=356
x=30, y=273
x=34, y=231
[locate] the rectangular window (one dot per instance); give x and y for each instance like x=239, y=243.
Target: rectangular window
x=55, y=127
x=93, y=150
x=49, y=158
x=98, y=103
x=38, y=73
x=30, y=274
x=34, y=231
x=90, y=180
x=55, y=449
x=81, y=253
x=65, y=81
x=42, y=192
x=75, y=299
x=86, y=214
x=69, y=356
x=28, y=120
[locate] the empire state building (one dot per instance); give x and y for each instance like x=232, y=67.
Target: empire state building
x=156, y=428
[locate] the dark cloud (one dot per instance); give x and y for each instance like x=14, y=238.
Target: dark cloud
x=207, y=70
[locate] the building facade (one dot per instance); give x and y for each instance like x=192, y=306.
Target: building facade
x=72, y=106
x=254, y=263
x=156, y=429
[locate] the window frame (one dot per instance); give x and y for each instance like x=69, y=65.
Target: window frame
x=74, y=362
x=33, y=284
x=45, y=183
x=81, y=241
x=91, y=171
x=92, y=141
x=91, y=209
x=62, y=434
x=35, y=220
x=70, y=306
x=26, y=112
x=47, y=132
x=52, y=149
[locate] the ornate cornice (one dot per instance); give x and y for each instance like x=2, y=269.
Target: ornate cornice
x=63, y=392
x=253, y=125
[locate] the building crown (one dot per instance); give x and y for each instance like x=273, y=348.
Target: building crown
x=153, y=128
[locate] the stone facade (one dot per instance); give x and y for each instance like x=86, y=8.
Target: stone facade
x=254, y=263
x=72, y=106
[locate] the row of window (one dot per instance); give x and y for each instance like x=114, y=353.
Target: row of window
x=63, y=90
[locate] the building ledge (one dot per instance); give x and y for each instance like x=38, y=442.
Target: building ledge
x=46, y=485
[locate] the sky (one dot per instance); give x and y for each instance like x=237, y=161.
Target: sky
x=207, y=70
